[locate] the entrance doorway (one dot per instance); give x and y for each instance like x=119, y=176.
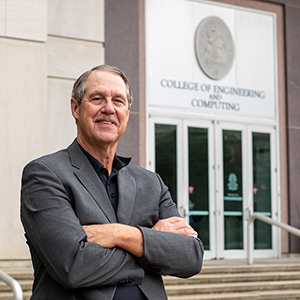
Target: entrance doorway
x=218, y=173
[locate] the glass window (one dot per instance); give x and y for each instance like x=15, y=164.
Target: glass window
x=233, y=189
x=262, y=188
x=165, y=156
x=198, y=182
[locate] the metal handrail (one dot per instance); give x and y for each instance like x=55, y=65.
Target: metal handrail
x=270, y=221
x=14, y=284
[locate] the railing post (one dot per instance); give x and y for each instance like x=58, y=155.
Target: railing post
x=14, y=284
x=250, y=242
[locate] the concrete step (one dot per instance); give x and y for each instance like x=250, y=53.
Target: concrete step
x=26, y=285
x=231, y=269
x=235, y=277
x=260, y=281
x=23, y=274
x=261, y=295
x=10, y=296
x=20, y=274
x=197, y=289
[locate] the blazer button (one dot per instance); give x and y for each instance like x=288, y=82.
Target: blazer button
x=125, y=281
x=154, y=268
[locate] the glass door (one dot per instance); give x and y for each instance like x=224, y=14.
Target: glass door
x=199, y=159
x=246, y=181
x=183, y=155
x=218, y=172
x=265, y=197
x=232, y=188
x=165, y=156
x=262, y=193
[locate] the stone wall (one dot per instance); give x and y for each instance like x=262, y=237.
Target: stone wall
x=44, y=47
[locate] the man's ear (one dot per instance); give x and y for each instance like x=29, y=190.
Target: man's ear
x=128, y=115
x=74, y=108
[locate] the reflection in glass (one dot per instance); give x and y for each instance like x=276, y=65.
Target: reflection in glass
x=233, y=189
x=198, y=182
x=165, y=156
x=262, y=188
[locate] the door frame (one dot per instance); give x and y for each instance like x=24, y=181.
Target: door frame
x=209, y=125
x=275, y=188
x=216, y=208
x=220, y=126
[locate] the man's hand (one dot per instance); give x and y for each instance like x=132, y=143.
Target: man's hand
x=175, y=225
x=130, y=238
x=113, y=235
x=101, y=234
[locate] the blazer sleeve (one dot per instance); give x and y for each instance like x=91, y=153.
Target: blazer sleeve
x=57, y=239
x=169, y=253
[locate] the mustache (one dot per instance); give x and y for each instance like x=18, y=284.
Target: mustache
x=105, y=119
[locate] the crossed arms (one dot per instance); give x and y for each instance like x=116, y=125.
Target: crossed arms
x=130, y=238
x=112, y=251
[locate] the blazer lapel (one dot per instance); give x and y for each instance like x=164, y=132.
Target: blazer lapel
x=87, y=176
x=127, y=191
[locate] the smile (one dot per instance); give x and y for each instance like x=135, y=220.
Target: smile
x=104, y=121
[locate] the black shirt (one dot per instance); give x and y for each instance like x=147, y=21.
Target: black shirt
x=110, y=182
x=111, y=186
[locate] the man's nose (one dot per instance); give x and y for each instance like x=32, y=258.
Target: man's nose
x=108, y=107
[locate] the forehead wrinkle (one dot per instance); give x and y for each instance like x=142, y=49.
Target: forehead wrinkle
x=103, y=87
x=96, y=93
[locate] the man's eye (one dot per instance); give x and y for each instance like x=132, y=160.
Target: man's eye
x=96, y=99
x=119, y=101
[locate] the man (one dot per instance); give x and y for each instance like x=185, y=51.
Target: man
x=97, y=226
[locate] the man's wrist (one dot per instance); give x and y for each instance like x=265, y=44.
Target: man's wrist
x=131, y=239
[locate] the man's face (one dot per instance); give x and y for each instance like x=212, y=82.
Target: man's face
x=103, y=113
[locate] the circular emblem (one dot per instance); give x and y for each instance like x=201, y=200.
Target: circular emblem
x=214, y=47
x=232, y=182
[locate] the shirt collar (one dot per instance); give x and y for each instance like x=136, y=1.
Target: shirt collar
x=118, y=163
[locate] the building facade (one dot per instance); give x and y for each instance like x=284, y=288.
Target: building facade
x=215, y=108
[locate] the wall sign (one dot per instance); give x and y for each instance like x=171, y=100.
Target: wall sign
x=210, y=58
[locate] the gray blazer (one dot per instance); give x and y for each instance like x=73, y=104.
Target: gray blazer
x=60, y=193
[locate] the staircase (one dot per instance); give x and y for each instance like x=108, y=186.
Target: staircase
x=22, y=272
x=269, y=279
x=260, y=281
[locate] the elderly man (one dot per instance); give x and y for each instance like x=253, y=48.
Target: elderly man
x=99, y=227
